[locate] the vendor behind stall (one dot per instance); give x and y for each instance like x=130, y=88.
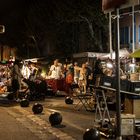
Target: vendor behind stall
x=55, y=70
x=97, y=72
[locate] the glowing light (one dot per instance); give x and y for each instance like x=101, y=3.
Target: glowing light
x=43, y=74
x=109, y=65
x=132, y=65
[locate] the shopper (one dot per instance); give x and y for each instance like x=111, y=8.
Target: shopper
x=16, y=78
x=69, y=81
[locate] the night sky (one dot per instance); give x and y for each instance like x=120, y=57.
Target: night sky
x=12, y=14
x=24, y=18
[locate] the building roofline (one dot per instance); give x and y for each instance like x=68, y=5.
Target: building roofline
x=129, y=4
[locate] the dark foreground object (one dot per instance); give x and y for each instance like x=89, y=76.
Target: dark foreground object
x=37, y=108
x=10, y=96
x=92, y=134
x=55, y=118
x=24, y=103
x=68, y=100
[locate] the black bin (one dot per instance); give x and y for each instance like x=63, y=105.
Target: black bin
x=125, y=85
x=107, y=81
x=134, y=88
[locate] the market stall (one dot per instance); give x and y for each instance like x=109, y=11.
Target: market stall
x=130, y=92
x=56, y=84
x=55, y=77
x=88, y=57
x=123, y=54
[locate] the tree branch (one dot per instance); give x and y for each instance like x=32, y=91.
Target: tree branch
x=89, y=25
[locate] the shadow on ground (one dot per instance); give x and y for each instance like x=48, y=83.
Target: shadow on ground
x=4, y=102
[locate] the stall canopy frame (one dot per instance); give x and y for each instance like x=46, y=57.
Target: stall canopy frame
x=89, y=54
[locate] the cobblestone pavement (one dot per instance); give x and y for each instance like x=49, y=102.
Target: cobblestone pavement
x=11, y=129
x=36, y=125
x=73, y=125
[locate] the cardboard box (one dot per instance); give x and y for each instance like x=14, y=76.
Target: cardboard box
x=132, y=106
x=134, y=76
x=136, y=108
x=127, y=124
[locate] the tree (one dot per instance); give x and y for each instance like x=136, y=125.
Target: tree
x=57, y=16
x=57, y=21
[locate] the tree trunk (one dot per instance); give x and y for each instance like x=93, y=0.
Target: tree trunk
x=97, y=41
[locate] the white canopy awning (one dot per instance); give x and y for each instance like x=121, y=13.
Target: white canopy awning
x=123, y=53
x=88, y=54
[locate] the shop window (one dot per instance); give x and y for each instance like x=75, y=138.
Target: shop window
x=135, y=33
x=139, y=34
x=124, y=35
x=121, y=35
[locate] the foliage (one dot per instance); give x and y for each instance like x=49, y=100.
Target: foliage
x=57, y=21
x=63, y=17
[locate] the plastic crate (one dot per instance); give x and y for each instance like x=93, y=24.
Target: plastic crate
x=107, y=81
x=135, y=87
x=125, y=85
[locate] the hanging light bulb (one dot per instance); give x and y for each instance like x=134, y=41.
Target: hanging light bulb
x=109, y=65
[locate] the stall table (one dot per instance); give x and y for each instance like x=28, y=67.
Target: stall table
x=56, y=84
x=131, y=104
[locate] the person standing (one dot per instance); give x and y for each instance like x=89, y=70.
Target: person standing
x=76, y=72
x=88, y=75
x=16, y=78
x=69, y=81
x=55, y=70
x=97, y=72
x=82, y=78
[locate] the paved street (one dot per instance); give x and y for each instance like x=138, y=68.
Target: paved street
x=11, y=129
x=20, y=123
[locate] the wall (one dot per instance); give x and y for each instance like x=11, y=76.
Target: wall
x=7, y=52
x=126, y=20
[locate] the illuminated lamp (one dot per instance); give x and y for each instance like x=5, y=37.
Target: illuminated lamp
x=109, y=65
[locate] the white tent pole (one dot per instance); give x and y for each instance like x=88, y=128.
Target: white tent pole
x=110, y=36
x=133, y=32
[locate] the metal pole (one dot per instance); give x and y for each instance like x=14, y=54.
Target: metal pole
x=110, y=35
x=118, y=99
x=133, y=32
